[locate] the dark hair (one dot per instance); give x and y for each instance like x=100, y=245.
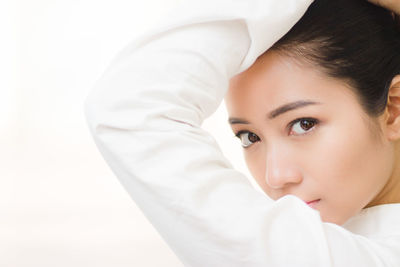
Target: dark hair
x=352, y=40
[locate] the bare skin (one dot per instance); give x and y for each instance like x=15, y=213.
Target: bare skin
x=391, y=191
x=389, y=194
x=347, y=161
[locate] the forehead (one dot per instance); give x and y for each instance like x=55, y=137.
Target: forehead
x=275, y=79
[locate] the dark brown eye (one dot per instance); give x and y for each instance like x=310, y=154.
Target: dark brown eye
x=307, y=124
x=302, y=126
x=247, y=138
x=253, y=138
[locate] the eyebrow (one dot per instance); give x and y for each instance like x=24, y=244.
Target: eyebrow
x=278, y=111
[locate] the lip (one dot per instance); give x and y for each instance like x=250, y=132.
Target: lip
x=312, y=203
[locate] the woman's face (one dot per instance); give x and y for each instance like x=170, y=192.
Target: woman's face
x=307, y=135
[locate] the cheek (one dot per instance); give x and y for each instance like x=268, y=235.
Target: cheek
x=351, y=167
x=340, y=160
x=256, y=164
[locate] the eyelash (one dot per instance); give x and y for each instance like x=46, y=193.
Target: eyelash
x=289, y=126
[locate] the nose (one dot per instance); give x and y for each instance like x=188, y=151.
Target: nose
x=281, y=170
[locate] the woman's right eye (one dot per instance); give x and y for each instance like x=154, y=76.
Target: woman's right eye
x=247, y=138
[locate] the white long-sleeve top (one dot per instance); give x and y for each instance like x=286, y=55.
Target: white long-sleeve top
x=145, y=114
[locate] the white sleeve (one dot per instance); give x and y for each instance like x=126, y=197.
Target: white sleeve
x=145, y=114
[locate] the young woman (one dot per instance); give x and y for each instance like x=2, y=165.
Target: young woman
x=328, y=158
x=318, y=112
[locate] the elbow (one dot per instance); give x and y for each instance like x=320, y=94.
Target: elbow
x=107, y=111
x=89, y=112
x=97, y=113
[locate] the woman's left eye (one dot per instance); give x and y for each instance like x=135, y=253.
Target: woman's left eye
x=302, y=125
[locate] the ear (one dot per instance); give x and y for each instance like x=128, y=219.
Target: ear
x=393, y=110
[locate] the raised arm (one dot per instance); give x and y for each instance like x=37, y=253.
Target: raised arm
x=145, y=115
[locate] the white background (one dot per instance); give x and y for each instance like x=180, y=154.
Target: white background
x=60, y=205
